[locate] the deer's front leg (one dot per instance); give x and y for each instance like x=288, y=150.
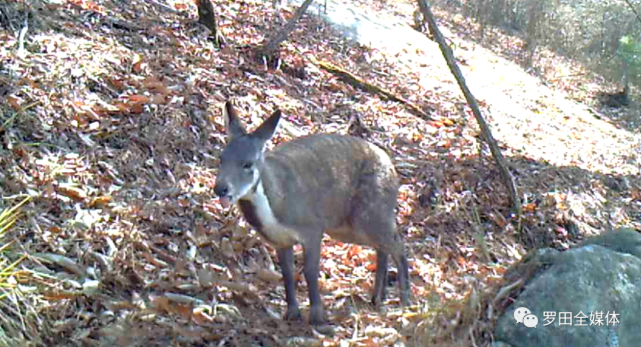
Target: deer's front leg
x=286, y=260
x=312, y=262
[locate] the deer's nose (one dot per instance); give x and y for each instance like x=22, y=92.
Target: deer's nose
x=221, y=190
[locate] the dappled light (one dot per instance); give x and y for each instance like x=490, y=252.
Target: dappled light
x=111, y=133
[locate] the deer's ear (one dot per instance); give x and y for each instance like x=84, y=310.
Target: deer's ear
x=233, y=126
x=266, y=130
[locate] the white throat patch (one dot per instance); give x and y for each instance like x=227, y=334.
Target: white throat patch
x=263, y=209
x=276, y=233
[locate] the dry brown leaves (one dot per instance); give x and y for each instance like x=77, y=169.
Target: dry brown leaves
x=115, y=132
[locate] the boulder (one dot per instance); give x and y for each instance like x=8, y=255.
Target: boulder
x=586, y=296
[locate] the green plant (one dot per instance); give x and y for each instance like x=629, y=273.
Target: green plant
x=629, y=52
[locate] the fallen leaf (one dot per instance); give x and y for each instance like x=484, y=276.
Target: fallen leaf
x=74, y=193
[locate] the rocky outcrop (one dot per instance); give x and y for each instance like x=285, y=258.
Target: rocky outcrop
x=587, y=296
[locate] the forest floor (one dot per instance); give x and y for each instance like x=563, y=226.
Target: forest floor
x=110, y=123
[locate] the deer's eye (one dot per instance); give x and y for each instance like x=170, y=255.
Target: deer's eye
x=248, y=166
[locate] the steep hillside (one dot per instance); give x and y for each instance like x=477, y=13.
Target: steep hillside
x=110, y=120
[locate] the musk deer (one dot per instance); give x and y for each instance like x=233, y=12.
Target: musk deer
x=341, y=185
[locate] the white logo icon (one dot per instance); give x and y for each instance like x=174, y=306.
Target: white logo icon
x=520, y=313
x=530, y=321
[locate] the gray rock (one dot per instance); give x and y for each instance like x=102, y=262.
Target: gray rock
x=500, y=344
x=624, y=240
x=584, y=280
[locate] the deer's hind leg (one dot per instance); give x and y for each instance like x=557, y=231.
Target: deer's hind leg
x=375, y=220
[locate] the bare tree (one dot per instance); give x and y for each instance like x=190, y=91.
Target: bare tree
x=534, y=24
x=267, y=50
x=207, y=17
x=506, y=176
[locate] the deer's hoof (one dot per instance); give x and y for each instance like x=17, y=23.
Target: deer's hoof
x=316, y=316
x=292, y=314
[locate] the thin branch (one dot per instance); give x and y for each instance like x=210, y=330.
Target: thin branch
x=506, y=176
x=634, y=10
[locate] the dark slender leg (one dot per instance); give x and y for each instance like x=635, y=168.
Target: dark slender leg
x=312, y=260
x=380, y=283
x=403, y=278
x=286, y=260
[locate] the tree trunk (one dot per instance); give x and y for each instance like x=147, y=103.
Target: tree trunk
x=481, y=16
x=485, y=129
x=207, y=17
x=532, y=35
x=269, y=48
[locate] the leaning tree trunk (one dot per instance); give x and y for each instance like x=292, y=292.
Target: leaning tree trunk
x=267, y=50
x=207, y=17
x=485, y=129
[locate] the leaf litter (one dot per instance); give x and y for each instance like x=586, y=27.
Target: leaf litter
x=112, y=125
